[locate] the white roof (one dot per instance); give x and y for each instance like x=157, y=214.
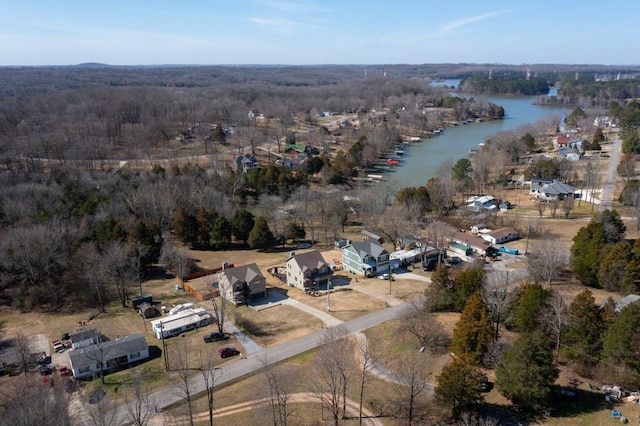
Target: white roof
x=182, y=318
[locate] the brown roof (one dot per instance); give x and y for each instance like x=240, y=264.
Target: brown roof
x=245, y=273
x=310, y=260
x=470, y=240
x=502, y=232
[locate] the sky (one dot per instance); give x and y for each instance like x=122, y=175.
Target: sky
x=299, y=32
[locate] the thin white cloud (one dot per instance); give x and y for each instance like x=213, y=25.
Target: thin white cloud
x=452, y=26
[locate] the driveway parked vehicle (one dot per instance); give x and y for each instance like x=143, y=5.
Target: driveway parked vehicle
x=228, y=351
x=214, y=337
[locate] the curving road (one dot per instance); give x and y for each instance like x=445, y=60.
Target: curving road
x=166, y=397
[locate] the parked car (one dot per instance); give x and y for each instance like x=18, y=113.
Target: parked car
x=58, y=346
x=228, y=351
x=384, y=276
x=45, y=370
x=214, y=337
x=63, y=370
x=304, y=245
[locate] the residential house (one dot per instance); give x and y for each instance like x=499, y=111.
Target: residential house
x=466, y=242
x=537, y=184
x=629, y=299
x=571, y=154
x=308, y=270
x=560, y=141
x=481, y=202
x=180, y=322
x=338, y=243
x=500, y=236
x=246, y=162
x=409, y=257
x=368, y=235
x=83, y=338
x=295, y=148
x=478, y=228
x=556, y=191
x=365, y=258
x=107, y=357
x=242, y=283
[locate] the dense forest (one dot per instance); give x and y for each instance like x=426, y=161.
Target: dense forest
x=506, y=84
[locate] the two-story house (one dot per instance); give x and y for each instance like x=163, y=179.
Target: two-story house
x=242, y=283
x=365, y=258
x=308, y=270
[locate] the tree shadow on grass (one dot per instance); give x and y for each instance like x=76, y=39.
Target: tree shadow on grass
x=564, y=403
x=580, y=403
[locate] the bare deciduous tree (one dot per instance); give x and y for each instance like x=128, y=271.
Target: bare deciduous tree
x=567, y=205
x=546, y=260
x=210, y=373
x=24, y=404
x=541, y=206
x=281, y=381
x=117, y=268
x=555, y=317
x=411, y=377
x=367, y=352
x=499, y=296
x=420, y=322
x=137, y=402
x=104, y=412
x=181, y=371
x=332, y=367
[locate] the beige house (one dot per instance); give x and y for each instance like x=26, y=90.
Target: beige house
x=308, y=270
x=500, y=236
x=242, y=283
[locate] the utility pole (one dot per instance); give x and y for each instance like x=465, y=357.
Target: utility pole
x=328, y=296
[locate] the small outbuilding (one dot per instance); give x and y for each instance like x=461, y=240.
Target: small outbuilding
x=147, y=310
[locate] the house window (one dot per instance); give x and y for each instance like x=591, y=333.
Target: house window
x=134, y=355
x=84, y=370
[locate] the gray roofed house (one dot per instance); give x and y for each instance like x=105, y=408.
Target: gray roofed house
x=365, y=257
x=556, y=191
x=84, y=338
x=308, y=270
x=113, y=354
x=242, y=283
x=626, y=301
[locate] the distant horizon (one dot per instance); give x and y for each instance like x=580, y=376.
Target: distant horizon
x=496, y=64
x=307, y=32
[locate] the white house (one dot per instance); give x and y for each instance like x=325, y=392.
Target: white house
x=500, y=236
x=106, y=357
x=188, y=319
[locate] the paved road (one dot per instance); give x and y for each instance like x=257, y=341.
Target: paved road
x=606, y=199
x=237, y=368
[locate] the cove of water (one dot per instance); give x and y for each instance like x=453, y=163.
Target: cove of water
x=422, y=159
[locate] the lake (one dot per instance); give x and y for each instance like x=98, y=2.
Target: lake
x=422, y=159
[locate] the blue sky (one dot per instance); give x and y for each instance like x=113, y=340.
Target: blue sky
x=144, y=32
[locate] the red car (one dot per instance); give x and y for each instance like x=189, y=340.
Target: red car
x=228, y=351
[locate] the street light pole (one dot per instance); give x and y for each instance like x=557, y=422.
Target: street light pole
x=328, y=297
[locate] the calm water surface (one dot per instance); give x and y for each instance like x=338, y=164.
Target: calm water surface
x=422, y=159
